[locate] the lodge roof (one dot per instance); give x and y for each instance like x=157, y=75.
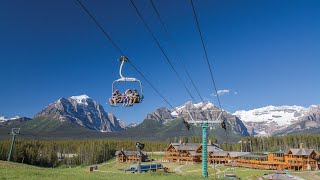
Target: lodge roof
x=186, y=146
x=194, y=153
x=230, y=153
x=301, y=152
x=128, y=153
x=279, y=152
x=194, y=147
x=220, y=153
x=237, y=154
x=254, y=156
x=213, y=148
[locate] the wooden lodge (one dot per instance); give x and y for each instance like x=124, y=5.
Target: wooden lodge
x=292, y=159
x=187, y=152
x=129, y=156
x=224, y=157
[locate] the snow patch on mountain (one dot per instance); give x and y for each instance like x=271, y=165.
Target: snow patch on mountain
x=189, y=105
x=81, y=110
x=266, y=120
x=4, y=119
x=122, y=124
x=80, y=99
x=131, y=125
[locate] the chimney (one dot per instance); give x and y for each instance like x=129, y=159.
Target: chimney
x=301, y=145
x=180, y=141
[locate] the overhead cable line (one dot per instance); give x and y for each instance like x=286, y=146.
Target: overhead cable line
x=163, y=52
x=175, y=48
x=120, y=50
x=208, y=63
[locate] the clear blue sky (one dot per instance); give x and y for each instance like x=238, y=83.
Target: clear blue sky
x=264, y=52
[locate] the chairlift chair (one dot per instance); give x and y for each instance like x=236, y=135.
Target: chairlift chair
x=124, y=59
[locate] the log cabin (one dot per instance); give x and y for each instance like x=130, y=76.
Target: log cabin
x=129, y=156
x=182, y=152
x=302, y=159
x=187, y=152
x=224, y=157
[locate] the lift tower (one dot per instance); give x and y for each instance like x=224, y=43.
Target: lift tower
x=14, y=132
x=204, y=119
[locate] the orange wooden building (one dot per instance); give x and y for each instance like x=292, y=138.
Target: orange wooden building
x=129, y=156
x=292, y=159
x=187, y=152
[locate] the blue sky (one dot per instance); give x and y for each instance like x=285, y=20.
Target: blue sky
x=264, y=52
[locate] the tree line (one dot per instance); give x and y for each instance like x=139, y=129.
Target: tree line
x=69, y=152
x=85, y=152
x=274, y=143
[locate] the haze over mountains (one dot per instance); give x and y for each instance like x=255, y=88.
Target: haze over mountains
x=80, y=116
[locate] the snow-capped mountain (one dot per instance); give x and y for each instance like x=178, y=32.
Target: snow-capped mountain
x=4, y=119
x=165, y=115
x=81, y=110
x=132, y=125
x=189, y=105
x=266, y=120
x=127, y=126
x=14, y=120
x=308, y=123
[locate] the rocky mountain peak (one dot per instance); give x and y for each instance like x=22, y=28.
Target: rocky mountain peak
x=207, y=109
x=83, y=111
x=268, y=120
x=14, y=120
x=162, y=114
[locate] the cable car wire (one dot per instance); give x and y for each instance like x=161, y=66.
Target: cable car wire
x=163, y=52
x=208, y=63
x=120, y=51
x=100, y=27
x=175, y=48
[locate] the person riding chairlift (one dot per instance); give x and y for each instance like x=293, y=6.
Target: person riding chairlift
x=128, y=100
x=135, y=97
x=122, y=98
x=115, y=98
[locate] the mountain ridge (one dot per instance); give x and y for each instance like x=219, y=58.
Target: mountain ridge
x=81, y=110
x=269, y=120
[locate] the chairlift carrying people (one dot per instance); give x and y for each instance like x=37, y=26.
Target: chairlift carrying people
x=125, y=98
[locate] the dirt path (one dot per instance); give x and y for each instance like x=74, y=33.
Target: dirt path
x=178, y=169
x=311, y=175
x=218, y=170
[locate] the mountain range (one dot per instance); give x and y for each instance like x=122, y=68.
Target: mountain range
x=82, y=117
x=281, y=120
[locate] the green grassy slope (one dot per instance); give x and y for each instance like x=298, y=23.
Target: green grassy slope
x=115, y=171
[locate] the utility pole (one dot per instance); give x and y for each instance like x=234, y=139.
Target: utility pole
x=14, y=132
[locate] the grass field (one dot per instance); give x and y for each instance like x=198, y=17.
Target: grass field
x=113, y=170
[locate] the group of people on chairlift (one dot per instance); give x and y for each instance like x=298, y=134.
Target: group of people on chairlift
x=128, y=98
